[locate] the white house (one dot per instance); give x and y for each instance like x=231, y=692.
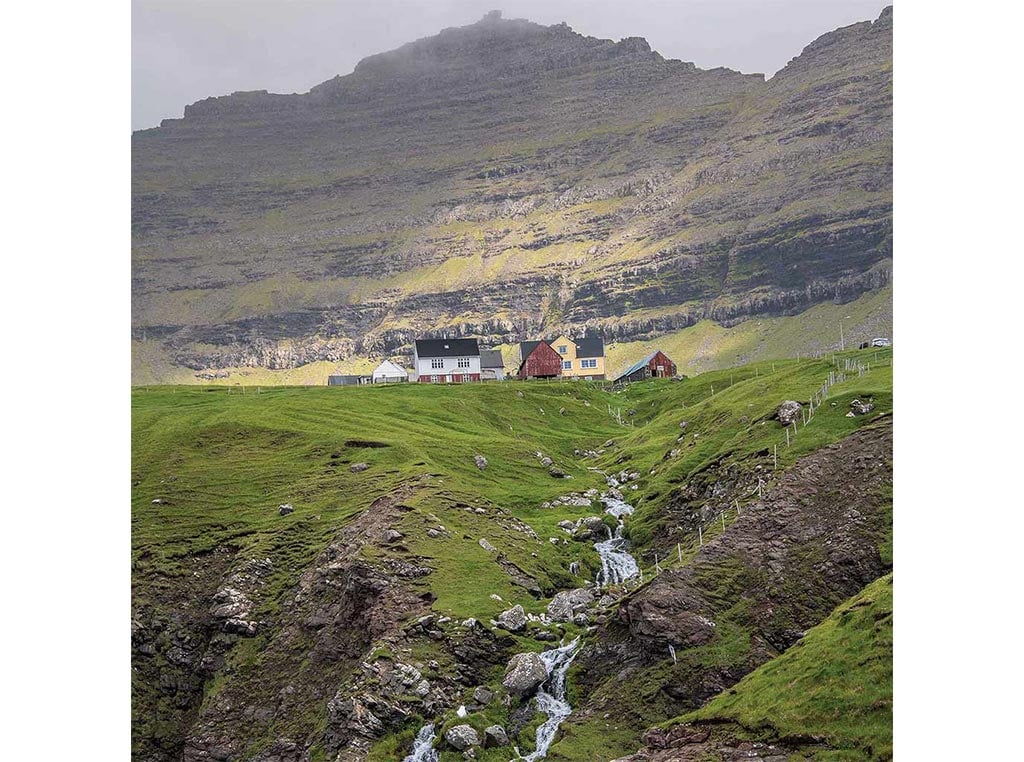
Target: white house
x=389, y=373
x=446, y=361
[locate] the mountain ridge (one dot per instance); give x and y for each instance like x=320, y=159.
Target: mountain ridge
x=618, y=189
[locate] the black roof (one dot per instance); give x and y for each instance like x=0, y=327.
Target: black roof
x=592, y=346
x=526, y=347
x=447, y=347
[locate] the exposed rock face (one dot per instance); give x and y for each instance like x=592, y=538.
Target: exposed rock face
x=779, y=569
x=750, y=197
x=685, y=743
x=524, y=674
x=340, y=604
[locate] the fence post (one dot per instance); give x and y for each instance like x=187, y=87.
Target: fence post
x=700, y=536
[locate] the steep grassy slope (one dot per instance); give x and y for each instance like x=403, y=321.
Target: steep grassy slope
x=506, y=179
x=275, y=637
x=835, y=684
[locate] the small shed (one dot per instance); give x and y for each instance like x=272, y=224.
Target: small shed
x=492, y=366
x=389, y=373
x=655, y=365
x=539, y=360
x=348, y=380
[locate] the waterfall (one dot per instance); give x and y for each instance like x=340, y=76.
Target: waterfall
x=423, y=747
x=617, y=565
x=551, y=696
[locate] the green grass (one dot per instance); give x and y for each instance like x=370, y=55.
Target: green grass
x=835, y=683
x=220, y=462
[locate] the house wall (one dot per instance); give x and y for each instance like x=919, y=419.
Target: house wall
x=543, y=361
x=449, y=369
x=661, y=366
x=575, y=369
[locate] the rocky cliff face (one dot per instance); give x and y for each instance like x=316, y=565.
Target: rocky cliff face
x=507, y=178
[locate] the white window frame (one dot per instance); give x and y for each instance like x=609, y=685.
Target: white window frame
x=566, y=364
x=463, y=362
x=563, y=349
x=436, y=363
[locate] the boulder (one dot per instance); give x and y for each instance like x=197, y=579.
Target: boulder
x=229, y=603
x=483, y=695
x=285, y=509
x=524, y=673
x=462, y=737
x=481, y=461
x=545, y=461
x=392, y=535
x=788, y=412
x=558, y=473
x=495, y=735
x=240, y=627
x=861, y=407
x=487, y=546
x=357, y=467
x=589, y=528
x=568, y=603
x=513, y=620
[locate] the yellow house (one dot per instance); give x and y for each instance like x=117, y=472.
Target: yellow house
x=581, y=358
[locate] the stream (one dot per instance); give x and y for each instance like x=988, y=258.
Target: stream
x=423, y=747
x=551, y=696
x=617, y=565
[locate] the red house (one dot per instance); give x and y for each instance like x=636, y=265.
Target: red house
x=540, y=360
x=656, y=365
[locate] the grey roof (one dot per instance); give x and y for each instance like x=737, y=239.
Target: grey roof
x=491, y=358
x=447, y=347
x=637, y=365
x=591, y=346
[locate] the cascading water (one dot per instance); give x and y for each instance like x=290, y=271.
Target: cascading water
x=616, y=564
x=423, y=747
x=551, y=696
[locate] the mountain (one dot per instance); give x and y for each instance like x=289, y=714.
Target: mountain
x=506, y=180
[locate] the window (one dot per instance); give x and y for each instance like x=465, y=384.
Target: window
x=566, y=364
x=436, y=364
x=563, y=349
x=433, y=379
x=588, y=363
x=463, y=362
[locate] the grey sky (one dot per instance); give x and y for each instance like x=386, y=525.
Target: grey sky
x=185, y=50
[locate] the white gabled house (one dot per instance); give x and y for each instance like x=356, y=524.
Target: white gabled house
x=446, y=361
x=389, y=373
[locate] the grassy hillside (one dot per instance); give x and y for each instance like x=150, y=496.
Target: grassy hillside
x=211, y=465
x=835, y=684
